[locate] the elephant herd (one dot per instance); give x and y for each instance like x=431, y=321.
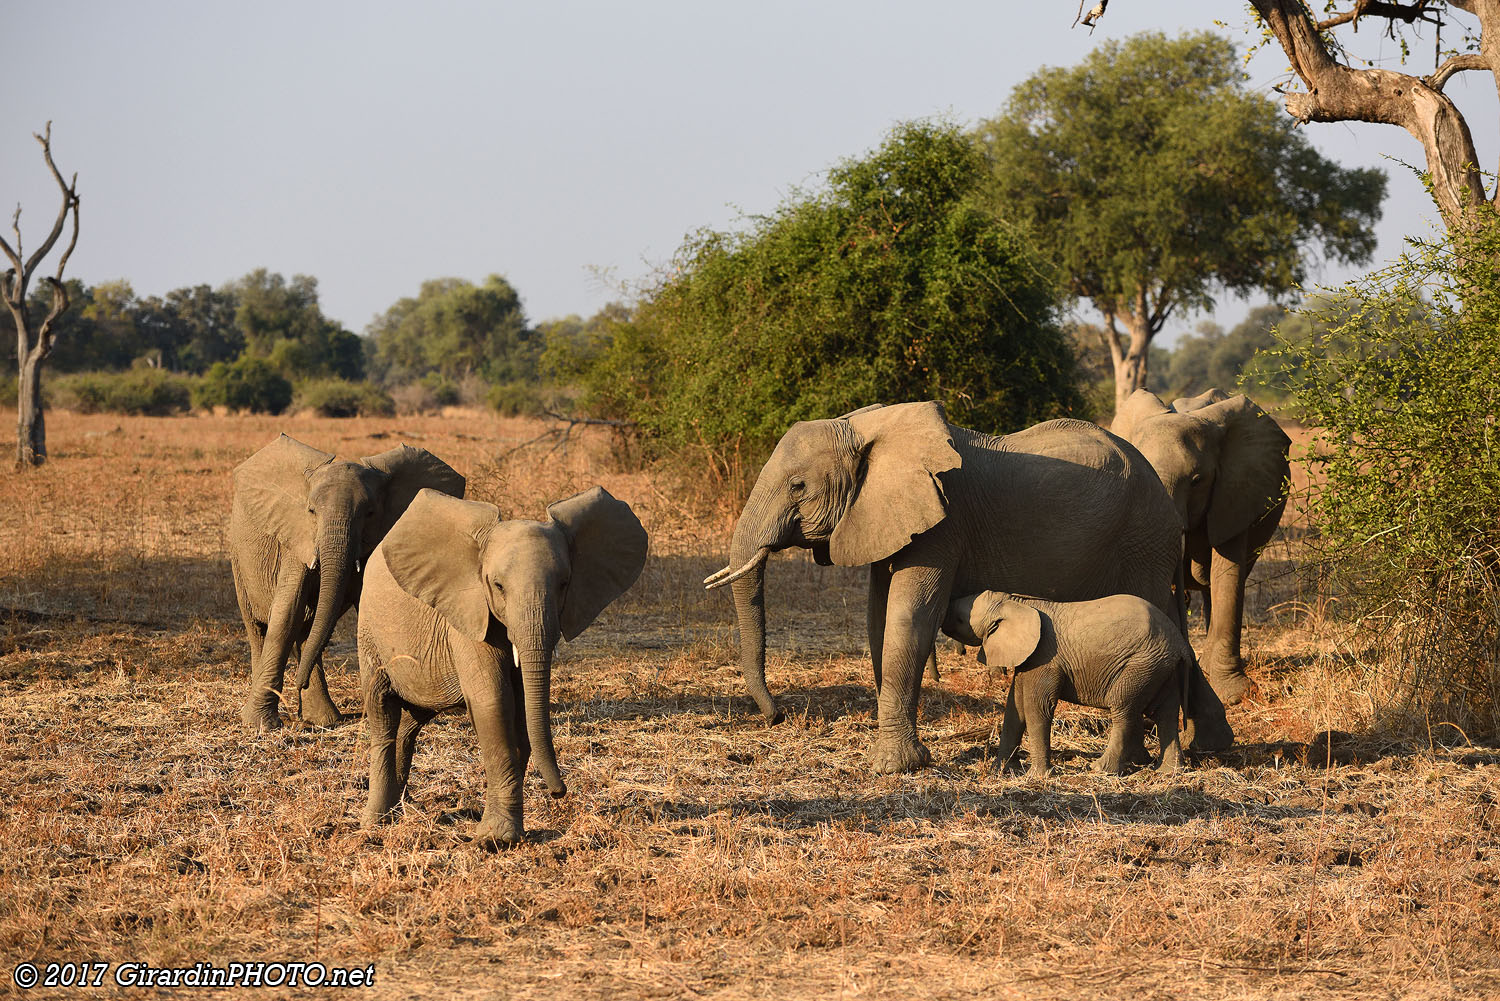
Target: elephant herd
x=459, y=608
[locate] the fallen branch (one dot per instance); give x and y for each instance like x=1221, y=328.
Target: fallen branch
x=560, y=436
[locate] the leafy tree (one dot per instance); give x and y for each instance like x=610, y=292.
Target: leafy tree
x=190, y=328
x=455, y=328
x=281, y=320
x=1156, y=180
x=887, y=285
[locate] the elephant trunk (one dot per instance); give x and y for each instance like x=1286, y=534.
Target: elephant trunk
x=335, y=568
x=751, y=545
x=535, y=660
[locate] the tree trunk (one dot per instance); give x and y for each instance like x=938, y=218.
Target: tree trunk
x=1130, y=361
x=31, y=429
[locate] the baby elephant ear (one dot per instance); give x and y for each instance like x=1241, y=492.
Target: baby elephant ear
x=433, y=552
x=271, y=488
x=607, y=549
x=900, y=452
x=1015, y=630
x=410, y=470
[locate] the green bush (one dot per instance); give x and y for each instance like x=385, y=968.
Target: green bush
x=148, y=392
x=342, y=398
x=1399, y=376
x=247, y=383
x=515, y=399
x=887, y=286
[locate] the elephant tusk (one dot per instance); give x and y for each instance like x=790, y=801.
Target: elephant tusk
x=726, y=575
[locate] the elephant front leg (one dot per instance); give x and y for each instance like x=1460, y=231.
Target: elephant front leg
x=1221, y=654
x=880, y=592
x=1012, y=728
x=382, y=713
x=260, y=711
x=494, y=710
x=917, y=595
x=316, y=706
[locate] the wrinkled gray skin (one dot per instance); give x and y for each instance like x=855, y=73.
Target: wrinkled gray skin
x=461, y=608
x=1064, y=510
x=1119, y=653
x=1224, y=461
x=300, y=527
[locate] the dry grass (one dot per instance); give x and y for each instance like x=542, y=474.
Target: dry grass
x=699, y=852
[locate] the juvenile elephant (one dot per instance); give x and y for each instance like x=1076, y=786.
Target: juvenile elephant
x=461, y=608
x=300, y=527
x=1063, y=509
x=1224, y=461
x=1119, y=653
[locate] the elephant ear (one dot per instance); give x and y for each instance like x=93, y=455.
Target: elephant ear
x=410, y=470
x=1138, y=406
x=271, y=487
x=1015, y=630
x=607, y=549
x=1252, y=466
x=434, y=551
x=900, y=453
x=1207, y=398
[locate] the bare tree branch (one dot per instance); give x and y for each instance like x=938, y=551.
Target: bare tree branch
x=70, y=201
x=1375, y=8
x=44, y=338
x=1457, y=64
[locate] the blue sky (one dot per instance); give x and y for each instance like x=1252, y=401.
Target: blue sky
x=568, y=145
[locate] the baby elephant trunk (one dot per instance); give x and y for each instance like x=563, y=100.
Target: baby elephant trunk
x=535, y=658
x=335, y=569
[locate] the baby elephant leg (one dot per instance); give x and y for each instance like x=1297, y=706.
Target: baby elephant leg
x=413, y=718
x=1038, y=704
x=382, y=714
x=1126, y=731
x=1169, y=704
x=1011, y=729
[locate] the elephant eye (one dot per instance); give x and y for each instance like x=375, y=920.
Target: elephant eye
x=798, y=486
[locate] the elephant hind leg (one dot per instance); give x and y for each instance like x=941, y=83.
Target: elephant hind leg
x=1125, y=733
x=413, y=718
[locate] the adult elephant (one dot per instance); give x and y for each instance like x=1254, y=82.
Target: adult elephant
x=1063, y=510
x=1224, y=461
x=300, y=529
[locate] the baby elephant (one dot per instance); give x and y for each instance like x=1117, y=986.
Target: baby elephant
x=1119, y=653
x=462, y=609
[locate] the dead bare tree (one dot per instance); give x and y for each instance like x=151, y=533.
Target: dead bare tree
x=34, y=344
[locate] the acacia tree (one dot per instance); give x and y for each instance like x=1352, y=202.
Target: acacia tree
x=34, y=340
x=1337, y=90
x=1155, y=179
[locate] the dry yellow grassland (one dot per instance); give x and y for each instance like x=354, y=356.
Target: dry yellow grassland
x=699, y=853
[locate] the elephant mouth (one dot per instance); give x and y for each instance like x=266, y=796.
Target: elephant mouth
x=821, y=554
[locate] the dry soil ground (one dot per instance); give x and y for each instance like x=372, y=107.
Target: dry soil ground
x=699, y=852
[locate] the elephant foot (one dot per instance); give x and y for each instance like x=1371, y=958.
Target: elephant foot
x=1231, y=684
x=325, y=716
x=1115, y=763
x=260, y=718
x=494, y=830
x=374, y=816
x=891, y=757
x=1139, y=756
x=1216, y=736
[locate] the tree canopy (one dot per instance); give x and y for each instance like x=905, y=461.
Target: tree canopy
x=1156, y=180
x=886, y=285
x=456, y=328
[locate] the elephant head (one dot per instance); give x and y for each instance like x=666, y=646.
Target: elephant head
x=330, y=515
x=1005, y=630
x=1222, y=458
x=854, y=490
x=537, y=579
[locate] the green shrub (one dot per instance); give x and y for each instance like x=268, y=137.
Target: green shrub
x=247, y=383
x=1400, y=380
x=515, y=399
x=148, y=392
x=342, y=398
